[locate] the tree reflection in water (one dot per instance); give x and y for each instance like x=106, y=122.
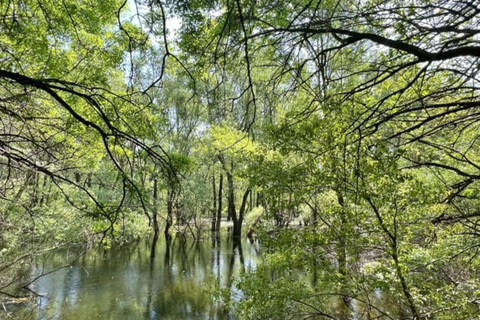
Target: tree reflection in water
x=131, y=282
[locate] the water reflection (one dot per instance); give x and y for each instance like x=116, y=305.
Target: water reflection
x=167, y=279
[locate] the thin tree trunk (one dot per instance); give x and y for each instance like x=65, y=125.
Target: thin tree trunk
x=231, y=197
x=89, y=180
x=44, y=186
x=219, y=212
x=78, y=177
x=169, y=220
x=36, y=187
x=251, y=200
x=342, y=248
x=394, y=247
x=156, y=229
x=214, y=209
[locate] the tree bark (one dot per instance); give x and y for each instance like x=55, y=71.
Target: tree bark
x=230, y=197
x=219, y=212
x=169, y=220
x=238, y=221
x=214, y=209
x=156, y=229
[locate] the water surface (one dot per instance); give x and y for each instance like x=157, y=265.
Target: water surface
x=140, y=281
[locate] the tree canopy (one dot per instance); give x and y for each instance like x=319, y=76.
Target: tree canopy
x=346, y=132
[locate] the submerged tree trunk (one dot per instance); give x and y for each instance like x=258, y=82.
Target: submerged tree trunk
x=232, y=212
x=153, y=249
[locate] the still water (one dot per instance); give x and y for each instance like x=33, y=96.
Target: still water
x=140, y=280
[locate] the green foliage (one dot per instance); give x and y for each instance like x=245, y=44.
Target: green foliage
x=355, y=132
x=264, y=299
x=254, y=216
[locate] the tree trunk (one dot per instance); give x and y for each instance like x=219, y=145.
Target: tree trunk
x=78, y=177
x=214, y=209
x=156, y=229
x=89, y=180
x=231, y=197
x=342, y=248
x=219, y=212
x=238, y=221
x=44, y=187
x=169, y=220
x=251, y=200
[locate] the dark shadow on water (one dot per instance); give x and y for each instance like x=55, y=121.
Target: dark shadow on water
x=153, y=249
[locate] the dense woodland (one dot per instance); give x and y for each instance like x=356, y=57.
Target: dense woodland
x=346, y=133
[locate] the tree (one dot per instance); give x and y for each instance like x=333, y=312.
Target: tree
x=66, y=75
x=395, y=84
x=73, y=124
